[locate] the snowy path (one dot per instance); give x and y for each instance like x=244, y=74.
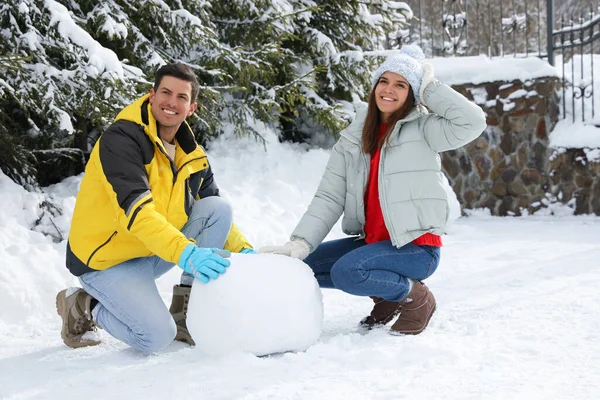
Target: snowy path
x=517, y=319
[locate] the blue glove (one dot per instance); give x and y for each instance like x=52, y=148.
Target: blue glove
x=204, y=263
x=248, y=250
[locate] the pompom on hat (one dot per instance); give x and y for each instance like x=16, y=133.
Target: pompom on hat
x=408, y=63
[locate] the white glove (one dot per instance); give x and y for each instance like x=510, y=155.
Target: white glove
x=427, y=79
x=296, y=248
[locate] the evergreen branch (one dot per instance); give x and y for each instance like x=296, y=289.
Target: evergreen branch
x=292, y=14
x=13, y=62
x=60, y=235
x=268, y=20
x=262, y=50
x=297, y=80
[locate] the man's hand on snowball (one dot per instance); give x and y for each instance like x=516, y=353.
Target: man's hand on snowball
x=296, y=248
x=204, y=263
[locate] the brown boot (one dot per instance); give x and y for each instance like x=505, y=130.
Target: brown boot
x=178, y=309
x=416, y=311
x=383, y=312
x=74, y=307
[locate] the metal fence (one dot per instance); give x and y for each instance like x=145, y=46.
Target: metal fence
x=496, y=28
x=576, y=45
x=515, y=28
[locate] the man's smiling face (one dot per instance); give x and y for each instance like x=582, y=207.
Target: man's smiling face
x=171, y=102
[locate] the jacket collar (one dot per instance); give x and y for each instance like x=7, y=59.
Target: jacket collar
x=140, y=112
x=354, y=131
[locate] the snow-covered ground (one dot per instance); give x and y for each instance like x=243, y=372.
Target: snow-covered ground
x=517, y=309
x=517, y=300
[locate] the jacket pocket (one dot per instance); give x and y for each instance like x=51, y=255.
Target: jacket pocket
x=100, y=247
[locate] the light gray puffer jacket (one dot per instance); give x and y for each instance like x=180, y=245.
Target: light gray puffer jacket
x=412, y=197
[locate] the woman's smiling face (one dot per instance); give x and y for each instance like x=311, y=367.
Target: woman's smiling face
x=391, y=93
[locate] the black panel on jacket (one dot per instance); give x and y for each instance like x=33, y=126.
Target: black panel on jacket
x=74, y=264
x=124, y=150
x=209, y=185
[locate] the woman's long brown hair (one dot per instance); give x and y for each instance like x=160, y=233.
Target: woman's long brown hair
x=370, y=132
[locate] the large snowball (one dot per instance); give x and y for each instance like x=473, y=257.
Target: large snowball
x=263, y=304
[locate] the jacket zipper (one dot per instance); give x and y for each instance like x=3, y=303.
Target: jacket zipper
x=411, y=117
x=382, y=198
x=364, y=189
x=98, y=248
x=174, y=169
x=171, y=162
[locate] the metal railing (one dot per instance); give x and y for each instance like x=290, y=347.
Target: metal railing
x=496, y=28
x=514, y=28
x=578, y=41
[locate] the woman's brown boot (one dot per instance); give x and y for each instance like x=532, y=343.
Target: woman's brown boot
x=415, y=311
x=383, y=312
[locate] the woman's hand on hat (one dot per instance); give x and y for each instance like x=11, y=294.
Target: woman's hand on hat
x=427, y=79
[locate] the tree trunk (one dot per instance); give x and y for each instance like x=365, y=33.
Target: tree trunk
x=81, y=134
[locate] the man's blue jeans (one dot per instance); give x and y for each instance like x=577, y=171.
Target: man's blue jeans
x=378, y=269
x=130, y=307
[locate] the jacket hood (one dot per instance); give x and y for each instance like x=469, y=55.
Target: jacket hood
x=140, y=113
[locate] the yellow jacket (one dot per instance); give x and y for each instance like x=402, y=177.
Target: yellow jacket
x=133, y=200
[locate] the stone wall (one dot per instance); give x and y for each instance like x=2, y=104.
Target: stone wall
x=573, y=177
x=510, y=167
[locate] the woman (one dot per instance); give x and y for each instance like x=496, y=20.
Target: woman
x=384, y=175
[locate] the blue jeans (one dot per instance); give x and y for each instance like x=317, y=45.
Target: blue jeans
x=129, y=305
x=378, y=269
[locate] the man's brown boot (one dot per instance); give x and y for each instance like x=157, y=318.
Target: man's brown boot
x=383, y=312
x=178, y=309
x=74, y=307
x=416, y=311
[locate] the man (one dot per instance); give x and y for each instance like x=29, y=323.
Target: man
x=148, y=200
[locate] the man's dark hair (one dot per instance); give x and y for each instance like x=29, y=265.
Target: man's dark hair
x=179, y=71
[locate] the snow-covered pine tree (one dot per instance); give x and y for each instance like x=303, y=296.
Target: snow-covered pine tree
x=64, y=84
x=311, y=55
x=71, y=81
x=87, y=59
x=340, y=38
x=267, y=81
x=150, y=33
x=290, y=62
x=16, y=161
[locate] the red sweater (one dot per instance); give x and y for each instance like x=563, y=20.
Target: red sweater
x=375, y=229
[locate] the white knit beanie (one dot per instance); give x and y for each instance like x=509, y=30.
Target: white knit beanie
x=408, y=63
